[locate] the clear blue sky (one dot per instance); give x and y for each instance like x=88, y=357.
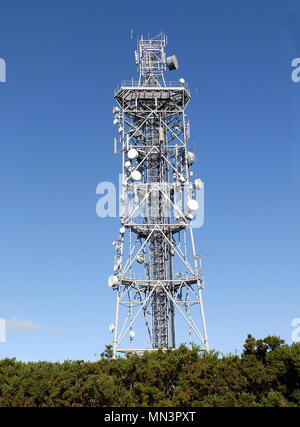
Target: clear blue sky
x=64, y=59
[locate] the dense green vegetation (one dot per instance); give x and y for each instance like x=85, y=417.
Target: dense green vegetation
x=267, y=373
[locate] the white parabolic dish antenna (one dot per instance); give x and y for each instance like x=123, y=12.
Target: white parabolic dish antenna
x=198, y=184
x=136, y=175
x=190, y=157
x=192, y=205
x=132, y=154
x=112, y=280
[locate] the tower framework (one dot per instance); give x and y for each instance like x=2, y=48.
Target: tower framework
x=157, y=272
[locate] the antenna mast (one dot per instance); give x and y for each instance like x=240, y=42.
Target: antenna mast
x=157, y=273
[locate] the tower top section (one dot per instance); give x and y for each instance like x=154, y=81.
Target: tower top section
x=152, y=63
x=151, y=60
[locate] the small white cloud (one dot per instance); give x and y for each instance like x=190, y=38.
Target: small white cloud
x=15, y=325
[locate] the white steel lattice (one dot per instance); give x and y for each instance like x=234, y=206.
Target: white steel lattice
x=157, y=272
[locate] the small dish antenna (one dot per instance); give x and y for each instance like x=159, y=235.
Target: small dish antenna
x=140, y=258
x=136, y=175
x=198, y=184
x=190, y=157
x=192, y=205
x=112, y=281
x=132, y=154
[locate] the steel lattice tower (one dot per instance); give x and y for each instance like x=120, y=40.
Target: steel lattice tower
x=157, y=271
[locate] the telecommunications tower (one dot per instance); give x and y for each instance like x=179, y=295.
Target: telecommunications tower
x=157, y=272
